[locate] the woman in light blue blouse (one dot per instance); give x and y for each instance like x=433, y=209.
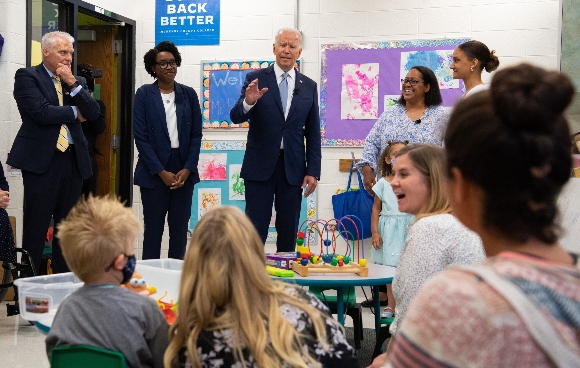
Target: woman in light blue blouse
x=417, y=117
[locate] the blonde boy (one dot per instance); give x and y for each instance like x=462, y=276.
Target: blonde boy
x=97, y=240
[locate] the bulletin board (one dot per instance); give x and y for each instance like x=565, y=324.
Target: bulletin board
x=219, y=168
x=359, y=80
x=221, y=85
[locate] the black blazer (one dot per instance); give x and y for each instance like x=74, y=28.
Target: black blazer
x=152, y=137
x=37, y=101
x=268, y=126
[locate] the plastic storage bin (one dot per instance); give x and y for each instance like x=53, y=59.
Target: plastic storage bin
x=40, y=296
x=164, y=275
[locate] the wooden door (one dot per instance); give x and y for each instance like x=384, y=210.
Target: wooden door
x=100, y=55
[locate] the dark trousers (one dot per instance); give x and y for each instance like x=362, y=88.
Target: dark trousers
x=287, y=200
x=176, y=204
x=90, y=185
x=50, y=194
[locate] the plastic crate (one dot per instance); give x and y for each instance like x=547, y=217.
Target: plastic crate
x=40, y=296
x=164, y=275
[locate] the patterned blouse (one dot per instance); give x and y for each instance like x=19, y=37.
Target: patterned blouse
x=216, y=348
x=459, y=320
x=395, y=125
x=433, y=243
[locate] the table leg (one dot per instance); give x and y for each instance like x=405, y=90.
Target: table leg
x=377, y=305
x=339, y=306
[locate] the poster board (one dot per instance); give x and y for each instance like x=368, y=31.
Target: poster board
x=359, y=80
x=219, y=166
x=221, y=85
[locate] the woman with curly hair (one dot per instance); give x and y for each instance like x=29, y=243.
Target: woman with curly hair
x=167, y=128
x=232, y=314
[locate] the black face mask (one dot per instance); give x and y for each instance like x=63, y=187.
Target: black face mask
x=128, y=269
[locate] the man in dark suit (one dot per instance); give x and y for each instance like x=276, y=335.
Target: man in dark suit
x=278, y=163
x=50, y=147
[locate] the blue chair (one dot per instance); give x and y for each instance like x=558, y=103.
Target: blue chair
x=352, y=308
x=85, y=356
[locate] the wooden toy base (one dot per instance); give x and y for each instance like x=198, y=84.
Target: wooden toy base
x=326, y=268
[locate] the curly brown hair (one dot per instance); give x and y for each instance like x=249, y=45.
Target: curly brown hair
x=384, y=168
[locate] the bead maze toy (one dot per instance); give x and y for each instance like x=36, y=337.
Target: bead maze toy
x=328, y=261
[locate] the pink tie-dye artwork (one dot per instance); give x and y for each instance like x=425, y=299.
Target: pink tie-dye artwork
x=360, y=91
x=212, y=166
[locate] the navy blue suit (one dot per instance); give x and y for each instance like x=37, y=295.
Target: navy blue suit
x=155, y=155
x=52, y=179
x=274, y=175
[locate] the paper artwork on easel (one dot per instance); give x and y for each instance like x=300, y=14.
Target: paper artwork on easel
x=208, y=199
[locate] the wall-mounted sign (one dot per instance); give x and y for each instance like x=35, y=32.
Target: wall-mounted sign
x=187, y=22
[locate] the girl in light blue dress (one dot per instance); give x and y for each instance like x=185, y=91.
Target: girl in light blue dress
x=388, y=225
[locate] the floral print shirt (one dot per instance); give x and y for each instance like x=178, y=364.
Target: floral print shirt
x=394, y=125
x=216, y=348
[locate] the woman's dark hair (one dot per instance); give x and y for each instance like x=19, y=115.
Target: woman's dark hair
x=513, y=142
x=433, y=96
x=384, y=168
x=150, y=58
x=478, y=50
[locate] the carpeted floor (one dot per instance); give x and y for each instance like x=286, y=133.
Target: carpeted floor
x=367, y=344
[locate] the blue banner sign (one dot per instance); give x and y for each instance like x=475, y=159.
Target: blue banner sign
x=187, y=22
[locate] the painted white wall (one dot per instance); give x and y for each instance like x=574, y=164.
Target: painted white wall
x=519, y=30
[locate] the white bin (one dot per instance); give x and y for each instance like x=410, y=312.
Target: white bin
x=40, y=296
x=164, y=275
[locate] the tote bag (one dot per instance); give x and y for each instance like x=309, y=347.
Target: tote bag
x=357, y=203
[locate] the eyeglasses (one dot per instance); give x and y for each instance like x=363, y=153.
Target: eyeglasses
x=165, y=64
x=412, y=82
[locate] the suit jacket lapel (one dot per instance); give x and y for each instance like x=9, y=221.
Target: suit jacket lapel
x=179, y=96
x=273, y=86
x=48, y=84
x=297, y=86
x=159, y=108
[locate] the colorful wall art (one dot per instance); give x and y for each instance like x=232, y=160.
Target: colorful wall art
x=358, y=81
x=221, y=162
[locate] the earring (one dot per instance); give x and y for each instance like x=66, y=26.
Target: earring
x=471, y=68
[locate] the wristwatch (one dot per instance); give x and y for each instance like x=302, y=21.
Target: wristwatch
x=74, y=85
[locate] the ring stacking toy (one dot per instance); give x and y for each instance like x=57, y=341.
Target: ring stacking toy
x=327, y=260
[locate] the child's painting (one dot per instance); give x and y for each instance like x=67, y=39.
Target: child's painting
x=208, y=199
x=212, y=166
x=360, y=91
x=236, y=183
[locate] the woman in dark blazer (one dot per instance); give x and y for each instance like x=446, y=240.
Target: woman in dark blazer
x=167, y=128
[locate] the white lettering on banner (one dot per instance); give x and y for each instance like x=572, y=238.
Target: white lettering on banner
x=191, y=8
x=186, y=20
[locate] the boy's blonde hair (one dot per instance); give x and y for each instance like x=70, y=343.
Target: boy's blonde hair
x=224, y=285
x=95, y=231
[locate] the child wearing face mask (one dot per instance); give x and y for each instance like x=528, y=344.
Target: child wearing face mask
x=97, y=240
x=388, y=225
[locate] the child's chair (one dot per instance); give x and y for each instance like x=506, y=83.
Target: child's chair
x=382, y=335
x=352, y=308
x=85, y=356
